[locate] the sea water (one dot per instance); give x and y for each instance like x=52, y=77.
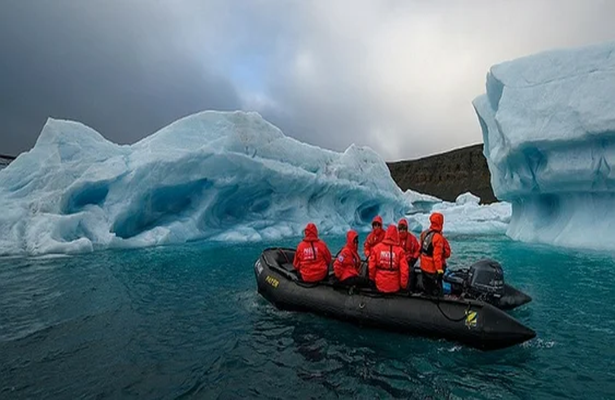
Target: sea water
x=187, y=322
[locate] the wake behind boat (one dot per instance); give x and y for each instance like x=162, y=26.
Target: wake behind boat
x=469, y=321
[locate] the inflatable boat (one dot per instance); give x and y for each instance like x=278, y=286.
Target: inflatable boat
x=472, y=322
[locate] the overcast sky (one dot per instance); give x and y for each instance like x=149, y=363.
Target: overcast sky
x=396, y=75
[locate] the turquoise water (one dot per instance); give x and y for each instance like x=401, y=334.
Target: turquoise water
x=186, y=322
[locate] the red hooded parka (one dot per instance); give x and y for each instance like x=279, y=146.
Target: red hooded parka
x=408, y=242
x=375, y=236
x=387, y=265
x=348, y=262
x=312, y=257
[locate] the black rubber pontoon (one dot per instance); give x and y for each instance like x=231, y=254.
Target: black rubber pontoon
x=471, y=322
x=512, y=298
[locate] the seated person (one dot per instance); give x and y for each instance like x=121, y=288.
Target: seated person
x=347, y=265
x=312, y=257
x=408, y=242
x=374, y=237
x=388, y=266
x=411, y=247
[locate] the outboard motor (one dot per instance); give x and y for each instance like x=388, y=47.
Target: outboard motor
x=486, y=278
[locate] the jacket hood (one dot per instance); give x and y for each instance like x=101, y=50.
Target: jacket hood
x=350, y=236
x=311, y=233
x=391, y=236
x=437, y=221
x=403, y=234
x=378, y=219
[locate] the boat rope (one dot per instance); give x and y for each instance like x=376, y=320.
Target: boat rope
x=284, y=254
x=449, y=318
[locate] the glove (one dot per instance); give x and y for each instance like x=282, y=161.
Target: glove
x=440, y=272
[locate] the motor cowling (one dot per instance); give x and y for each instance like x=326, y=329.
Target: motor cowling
x=486, y=277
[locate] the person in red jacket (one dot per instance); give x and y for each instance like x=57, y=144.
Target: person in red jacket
x=347, y=265
x=434, y=252
x=375, y=236
x=312, y=257
x=408, y=242
x=411, y=247
x=388, y=266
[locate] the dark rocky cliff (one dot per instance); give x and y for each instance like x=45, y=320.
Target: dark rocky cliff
x=447, y=175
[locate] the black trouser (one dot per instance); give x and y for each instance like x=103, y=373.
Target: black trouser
x=357, y=281
x=414, y=274
x=432, y=284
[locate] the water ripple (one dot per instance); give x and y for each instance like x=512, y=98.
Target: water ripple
x=186, y=322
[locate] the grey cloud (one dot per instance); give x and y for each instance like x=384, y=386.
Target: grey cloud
x=396, y=75
x=400, y=76
x=115, y=66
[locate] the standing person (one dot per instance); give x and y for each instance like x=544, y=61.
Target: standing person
x=388, y=267
x=434, y=252
x=312, y=257
x=347, y=265
x=375, y=236
x=411, y=247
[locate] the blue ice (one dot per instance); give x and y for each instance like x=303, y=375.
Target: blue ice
x=548, y=123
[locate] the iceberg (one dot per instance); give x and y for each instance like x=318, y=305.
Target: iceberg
x=228, y=176
x=467, y=198
x=466, y=216
x=419, y=202
x=548, y=124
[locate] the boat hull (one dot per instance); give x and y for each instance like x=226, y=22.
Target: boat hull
x=470, y=322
